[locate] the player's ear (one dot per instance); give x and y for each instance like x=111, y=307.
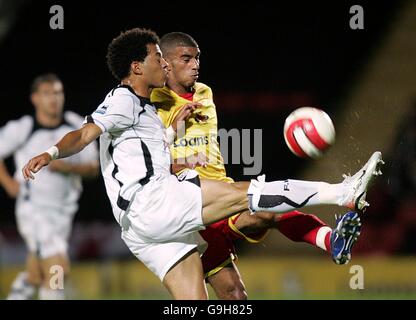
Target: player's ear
x=136, y=67
x=34, y=98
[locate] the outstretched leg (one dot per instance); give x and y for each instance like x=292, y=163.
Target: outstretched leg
x=221, y=200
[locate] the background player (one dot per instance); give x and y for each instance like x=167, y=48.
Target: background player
x=160, y=213
x=45, y=207
x=182, y=53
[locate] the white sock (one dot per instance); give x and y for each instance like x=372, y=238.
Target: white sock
x=21, y=289
x=320, y=237
x=287, y=195
x=51, y=294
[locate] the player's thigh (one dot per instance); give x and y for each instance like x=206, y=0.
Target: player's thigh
x=215, y=190
x=185, y=280
x=228, y=284
x=220, y=199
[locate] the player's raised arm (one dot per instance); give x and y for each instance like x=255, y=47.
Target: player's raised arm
x=72, y=143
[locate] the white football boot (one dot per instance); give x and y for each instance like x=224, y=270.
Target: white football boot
x=357, y=185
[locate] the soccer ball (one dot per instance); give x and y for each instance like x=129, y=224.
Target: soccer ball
x=309, y=132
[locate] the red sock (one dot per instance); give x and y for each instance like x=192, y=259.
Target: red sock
x=298, y=226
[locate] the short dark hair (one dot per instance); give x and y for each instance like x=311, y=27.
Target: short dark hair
x=46, y=77
x=176, y=39
x=129, y=46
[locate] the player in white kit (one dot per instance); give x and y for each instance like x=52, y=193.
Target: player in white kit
x=158, y=212
x=45, y=207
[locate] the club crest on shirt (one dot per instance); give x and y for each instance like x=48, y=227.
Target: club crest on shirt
x=102, y=109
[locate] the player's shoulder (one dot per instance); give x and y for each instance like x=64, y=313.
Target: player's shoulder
x=203, y=89
x=18, y=129
x=164, y=99
x=161, y=95
x=123, y=96
x=25, y=121
x=73, y=118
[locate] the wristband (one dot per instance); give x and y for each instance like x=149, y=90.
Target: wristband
x=53, y=152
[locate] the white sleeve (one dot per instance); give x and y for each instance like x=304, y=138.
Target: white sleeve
x=13, y=135
x=114, y=114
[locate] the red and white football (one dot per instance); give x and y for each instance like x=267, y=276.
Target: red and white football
x=309, y=132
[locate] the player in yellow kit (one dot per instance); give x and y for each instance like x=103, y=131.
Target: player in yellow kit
x=200, y=135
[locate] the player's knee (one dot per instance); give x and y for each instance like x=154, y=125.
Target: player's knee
x=266, y=219
x=257, y=223
x=235, y=292
x=239, y=294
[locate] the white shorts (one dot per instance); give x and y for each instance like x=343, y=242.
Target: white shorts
x=160, y=257
x=45, y=230
x=162, y=223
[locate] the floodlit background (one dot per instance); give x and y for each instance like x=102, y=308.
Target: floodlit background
x=261, y=63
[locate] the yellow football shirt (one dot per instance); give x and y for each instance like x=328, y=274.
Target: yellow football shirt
x=200, y=136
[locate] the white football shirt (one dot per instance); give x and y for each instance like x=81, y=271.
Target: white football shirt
x=25, y=138
x=132, y=146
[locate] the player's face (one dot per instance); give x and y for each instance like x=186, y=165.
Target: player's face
x=49, y=98
x=184, y=66
x=155, y=68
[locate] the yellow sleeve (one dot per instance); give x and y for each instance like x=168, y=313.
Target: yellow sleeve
x=164, y=116
x=164, y=105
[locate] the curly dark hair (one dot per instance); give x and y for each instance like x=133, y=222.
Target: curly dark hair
x=129, y=46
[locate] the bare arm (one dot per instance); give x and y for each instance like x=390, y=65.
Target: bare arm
x=72, y=143
x=75, y=141
x=8, y=182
